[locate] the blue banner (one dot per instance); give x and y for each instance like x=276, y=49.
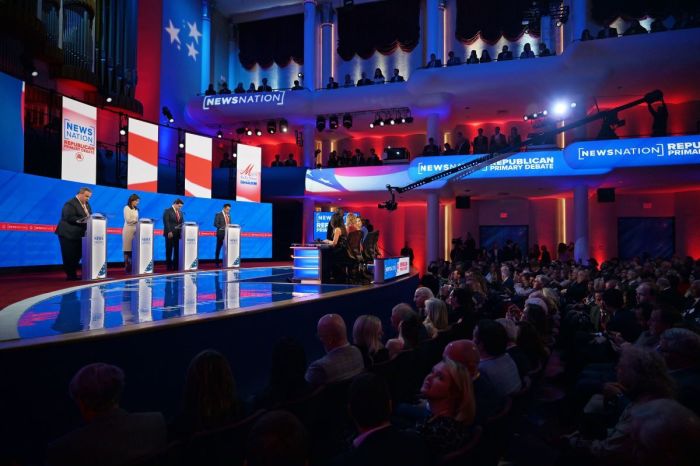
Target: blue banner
x=642, y=152
x=27, y=221
x=11, y=123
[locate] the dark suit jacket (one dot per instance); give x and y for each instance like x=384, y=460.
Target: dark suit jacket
x=70, y=214
x=170, y=222
x=388, y=446
x=115, y=439
x=220, y=223
x=431, y=149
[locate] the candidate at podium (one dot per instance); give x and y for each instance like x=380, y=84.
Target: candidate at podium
x=221, y=220
x=71, y=229
x=173, y=218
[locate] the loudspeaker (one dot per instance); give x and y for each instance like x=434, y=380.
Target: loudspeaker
x=606, y=194
x=463, y=202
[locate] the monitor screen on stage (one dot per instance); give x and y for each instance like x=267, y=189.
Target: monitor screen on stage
x=321, y=220
x=30, y=208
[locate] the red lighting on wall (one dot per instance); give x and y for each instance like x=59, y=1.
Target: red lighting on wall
x=503, y=215
x=646, y=205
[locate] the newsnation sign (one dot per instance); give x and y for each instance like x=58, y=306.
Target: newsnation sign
x=254, y=98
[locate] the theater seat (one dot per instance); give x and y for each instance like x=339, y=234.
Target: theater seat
x=466, y=454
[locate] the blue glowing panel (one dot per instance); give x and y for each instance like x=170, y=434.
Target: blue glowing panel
x=30, y=207
x=652, y=236
x=11, y=123
x=307, y=263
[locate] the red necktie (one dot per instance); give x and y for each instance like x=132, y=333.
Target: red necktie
x=177, y=215
x=226, y=217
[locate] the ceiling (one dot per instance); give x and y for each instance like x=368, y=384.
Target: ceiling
x=249, y=10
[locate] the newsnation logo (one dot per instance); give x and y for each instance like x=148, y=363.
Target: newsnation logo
x=274, y=97
x=658, y=150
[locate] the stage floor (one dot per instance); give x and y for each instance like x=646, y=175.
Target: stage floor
x=121, y=305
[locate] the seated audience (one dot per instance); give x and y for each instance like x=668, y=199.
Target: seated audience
x=585, y=35
x=481, y=143
x=531, y=344
x=485, y=56
x=491, y=340
x=367, y=336
x=514, y=351
x=290, y=162
x=348, y=81
x=527, y=52
x=286, y=382
x=378, y=76
x=331, y=83
x=635, y=28
x=210, y=400
x=487, y=401
x=409, y=335
x=434, y=62
x=436, y=320
x=448, y=391
x=396, y=77
x=239, y=89
x=277, y=439
x=680, y=348
x=264, y=87
x=420, y=296
x=431, y=148
x=210, y=90
x=379, y=443
x=297, y=86
x=473, y=59
x=110, y=436
x=448, y=149
x=364, y=80
x=342, y=361
x=224, y=88
x=452, y=60
x=505, y=54
x=251, y=88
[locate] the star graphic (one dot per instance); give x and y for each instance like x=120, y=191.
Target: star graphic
x=191, y=51
x=173, y=31
x=194, y=33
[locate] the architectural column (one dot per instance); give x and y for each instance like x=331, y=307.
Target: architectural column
x=206, y=45
x=310, y=46
x=309, y=146
x=579, y=16
x=327, y=16
x=434, y=31
x=433, y=129
x=308, y=222
x=432, y=228
x=581, y=250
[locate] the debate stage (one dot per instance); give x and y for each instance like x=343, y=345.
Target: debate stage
x=152, y=327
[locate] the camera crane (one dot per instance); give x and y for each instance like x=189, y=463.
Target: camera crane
x=488, y=159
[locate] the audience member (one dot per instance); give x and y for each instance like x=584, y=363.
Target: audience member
x=505, y=54
x=434, y=62
x=264, y=87
x=452, y=60
x=210, y=90
x=544, y=51
x=585, y=35
x=348, y=81
x=331, y=83
x=396, y=78
x=297, y=86
x=277, y=439
x=239, y=89
x=485, y=56
x=607, y=32
x=473, y=59
x=635, y=28
x=680, y=348
x=277, y=162
x=659, y=126
x=373, y=158
x=224, y=88
x=448, y=150
x=364, y=80
x=491, y=340
x=342, y=361
x=410, y=335
x=286, y=382
x=110, y=436
x=251, y=88
x=658, y=25
x=462, y=144
x=378, y=76
x=431, y=148
x=436, y=320
x=420, y=296
x=290, y=162
x=498, y=140
x=527, y=52
x=516, y=353
x=367, y=336
x=481, y=143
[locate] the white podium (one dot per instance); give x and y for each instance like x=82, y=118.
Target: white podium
x=142, y=247
x=189, y=244
x=94, y=263
x=232, y=246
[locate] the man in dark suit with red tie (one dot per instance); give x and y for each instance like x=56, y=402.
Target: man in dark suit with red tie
x=71, y=229
x=172, y=228
x=221, y=219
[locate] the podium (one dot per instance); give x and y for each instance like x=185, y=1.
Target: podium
x=232, y=246
x=94, y=263
x=142, y=247
x=189, y=244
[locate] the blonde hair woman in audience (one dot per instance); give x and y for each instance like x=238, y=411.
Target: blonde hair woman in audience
x=450, y=396
x=436, y=319
x=367, y=336
x=351, y=222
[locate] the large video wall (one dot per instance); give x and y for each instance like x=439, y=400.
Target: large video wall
x=30, y=208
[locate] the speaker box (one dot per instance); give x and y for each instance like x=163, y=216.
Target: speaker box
x=463, y=202
x=606, y=194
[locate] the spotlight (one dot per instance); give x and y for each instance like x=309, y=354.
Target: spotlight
x=240, y=130
x=392, y=121
x=219, y=134
x=272, y=127
x=347, y=121
x=258, y=132
x=108, y=100
x=402, y=120
x=35, y=73
x=248, y=132
x=168, y=115
x=123, y=130
x=559, y=108
x=300, y=75
x=381, y=122
x=534, y=115
x=320, y=122
x=181, y=145
x=573, y=105
x=333, y=122
x=284, y=127
x=234, y=155
x=371, y=124
x=525, y=117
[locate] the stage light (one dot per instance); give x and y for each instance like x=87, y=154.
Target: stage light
x=333, y=122
x=545, y=112
x=248, y=132
x=320, y=122
x=300, y=75
x=258, y=132
x=381, y=122
x=347, y=121
x=284, y=126
x=272, y=127
x=371, y=124
x=181, y=145
x=392, y=121
x=123, y=130
x=108, y=100
x=573, y=105
x=219, y=134
x=534, y=115
x=525, y=117
x=240, y=130
x=234, y=155
x=35, y=73
x=559, y=108
x=168, y=115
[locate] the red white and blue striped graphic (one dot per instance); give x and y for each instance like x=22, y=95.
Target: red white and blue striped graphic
x=197, y=165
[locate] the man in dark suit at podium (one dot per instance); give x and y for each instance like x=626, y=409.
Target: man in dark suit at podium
x=172, y=229
x=221, y=219
x=71, y=229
